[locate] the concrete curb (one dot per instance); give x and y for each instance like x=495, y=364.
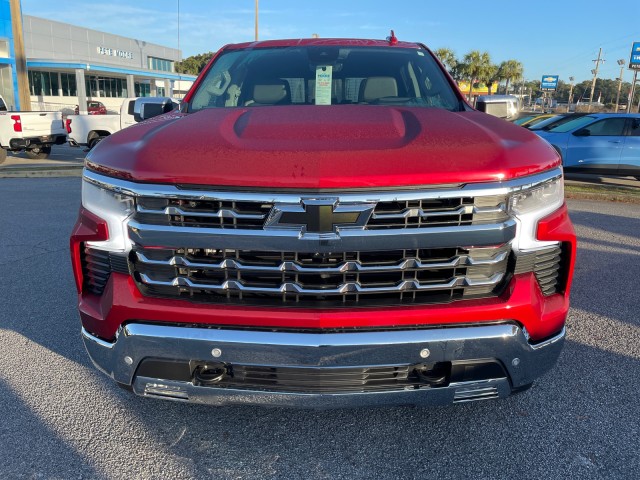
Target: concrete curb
x=48, y=171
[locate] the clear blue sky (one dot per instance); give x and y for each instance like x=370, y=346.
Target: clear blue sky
x=560, y=37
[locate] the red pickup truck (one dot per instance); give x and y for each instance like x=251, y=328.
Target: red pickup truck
x=323, y=223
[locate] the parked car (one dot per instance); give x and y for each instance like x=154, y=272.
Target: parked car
x=528, y=121
x=93, y=108
x=324, y=223
x=607, y=143
x=554, y=121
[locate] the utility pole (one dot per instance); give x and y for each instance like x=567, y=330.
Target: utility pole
x=621, y=63
x=571, y=79
x=256, y=20
x=595, y=75
x=632, y=92
x=23, y=94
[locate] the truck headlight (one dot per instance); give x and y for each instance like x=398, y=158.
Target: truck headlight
x=115, y=209
x=528, y=206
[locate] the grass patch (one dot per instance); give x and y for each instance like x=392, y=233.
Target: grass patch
x=607, y=194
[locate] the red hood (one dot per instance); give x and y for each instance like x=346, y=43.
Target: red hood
x=344, y=146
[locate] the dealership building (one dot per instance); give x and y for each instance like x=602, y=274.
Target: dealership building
x=69, y=65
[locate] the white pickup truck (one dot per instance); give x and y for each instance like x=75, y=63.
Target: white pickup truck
x=88, y=130
x=34, y=132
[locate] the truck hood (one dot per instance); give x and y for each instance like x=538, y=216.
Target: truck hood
x=315, y=147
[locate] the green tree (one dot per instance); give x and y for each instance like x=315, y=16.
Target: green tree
x=492, y=75
x=510, y=70
x=194, y=64
x=448, y=59
x=477, y=67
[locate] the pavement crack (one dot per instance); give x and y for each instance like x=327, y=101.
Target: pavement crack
x=184, y=430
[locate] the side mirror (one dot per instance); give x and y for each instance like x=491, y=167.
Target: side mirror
x=583, y=132
x=145, y=108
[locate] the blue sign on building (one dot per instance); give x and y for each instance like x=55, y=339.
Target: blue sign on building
x=549, y=83
x=634, y=61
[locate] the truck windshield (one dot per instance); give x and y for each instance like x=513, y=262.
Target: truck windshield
x=325, y=75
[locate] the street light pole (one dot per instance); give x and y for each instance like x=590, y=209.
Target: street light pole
x=256, y=20
x=621, y=63
x=571, y=79
x=633, y=91
x=595, y=75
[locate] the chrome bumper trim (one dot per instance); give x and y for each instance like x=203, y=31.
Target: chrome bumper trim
x=504, y=342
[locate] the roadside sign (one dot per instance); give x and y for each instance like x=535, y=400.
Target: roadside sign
x=549, y=83
x=634, y=61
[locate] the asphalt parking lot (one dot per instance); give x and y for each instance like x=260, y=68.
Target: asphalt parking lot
x=63, y=419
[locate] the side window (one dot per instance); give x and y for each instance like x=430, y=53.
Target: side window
x=607, y=127
x=635, y=127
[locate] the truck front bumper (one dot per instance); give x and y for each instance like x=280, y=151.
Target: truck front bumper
x=491, y=361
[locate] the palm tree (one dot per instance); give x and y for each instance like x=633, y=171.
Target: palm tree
x=448, y=58
x=492, y=75
x=510, y=70
x=477, y=67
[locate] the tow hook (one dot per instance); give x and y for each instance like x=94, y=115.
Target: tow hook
x=210, y=373
x=433, y=374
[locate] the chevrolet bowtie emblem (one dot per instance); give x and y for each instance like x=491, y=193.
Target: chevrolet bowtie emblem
x=325, y=215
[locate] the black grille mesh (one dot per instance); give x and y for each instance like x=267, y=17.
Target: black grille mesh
x=97, y=266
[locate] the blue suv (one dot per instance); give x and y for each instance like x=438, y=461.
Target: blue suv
x=605, y=143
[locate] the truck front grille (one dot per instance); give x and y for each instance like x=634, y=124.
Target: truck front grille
x=326, y=248
x=330, y=279
x=388, y=214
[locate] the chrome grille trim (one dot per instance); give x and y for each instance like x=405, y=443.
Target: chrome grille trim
x=221, y=213
x=337, y=278
x=419, y=212
x=348, y=266
x=342, y=241
x=349, y=287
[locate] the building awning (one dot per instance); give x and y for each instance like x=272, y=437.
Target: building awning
x=107, y=69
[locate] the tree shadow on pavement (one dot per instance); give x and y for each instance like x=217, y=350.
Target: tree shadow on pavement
x=22, y=457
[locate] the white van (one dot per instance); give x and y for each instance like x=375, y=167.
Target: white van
x=502, y=106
